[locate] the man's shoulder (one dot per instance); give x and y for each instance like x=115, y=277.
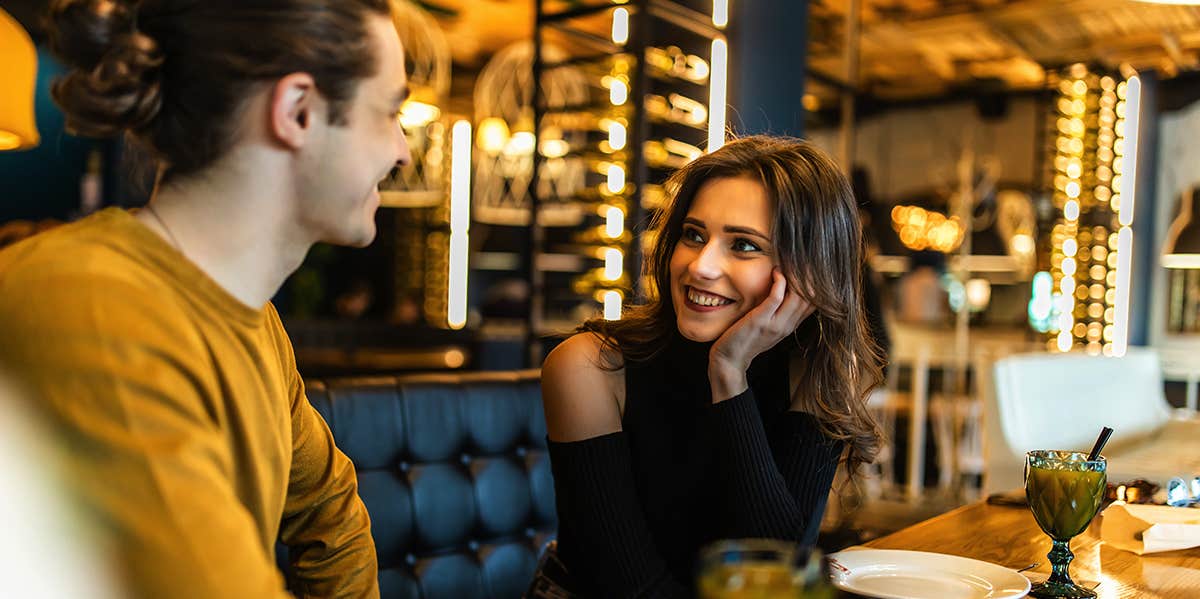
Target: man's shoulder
x=73, y=257
x=81, y=276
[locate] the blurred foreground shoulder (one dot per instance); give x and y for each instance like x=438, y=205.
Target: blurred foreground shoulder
x=583, y=389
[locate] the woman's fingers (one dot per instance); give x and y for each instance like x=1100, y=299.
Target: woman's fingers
x=780, y=312
x=792, y=312
x=765, y=311
x=778, y=293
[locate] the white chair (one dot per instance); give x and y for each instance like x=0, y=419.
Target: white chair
x=955, y=414
x=1061, y=401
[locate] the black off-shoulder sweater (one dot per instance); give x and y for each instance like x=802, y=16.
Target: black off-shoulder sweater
x=636, y=506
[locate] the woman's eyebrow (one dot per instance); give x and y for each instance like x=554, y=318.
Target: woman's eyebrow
x=746, y=231
x=691, y=220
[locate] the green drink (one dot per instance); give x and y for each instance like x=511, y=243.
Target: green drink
x=762, y=569
x=748, y=581
x=1064, y=490
x=1064, y=501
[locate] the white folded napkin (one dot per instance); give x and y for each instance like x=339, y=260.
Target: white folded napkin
x=1146, y=529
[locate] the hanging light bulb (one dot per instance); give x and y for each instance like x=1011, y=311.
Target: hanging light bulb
x=492, y=135
x=18, y=71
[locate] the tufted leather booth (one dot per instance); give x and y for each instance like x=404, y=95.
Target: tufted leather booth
x=454, y=473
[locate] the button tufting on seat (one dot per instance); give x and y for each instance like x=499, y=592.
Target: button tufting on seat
x=455, y=475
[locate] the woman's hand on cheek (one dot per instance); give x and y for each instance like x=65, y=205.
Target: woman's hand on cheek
x=754, y=333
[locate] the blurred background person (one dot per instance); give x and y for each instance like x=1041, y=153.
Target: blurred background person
x=920, y=297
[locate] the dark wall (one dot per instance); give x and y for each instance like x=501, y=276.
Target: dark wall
x=767, y=56
x=43, y=182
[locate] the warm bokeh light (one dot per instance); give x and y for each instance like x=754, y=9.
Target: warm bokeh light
x=415, y=114
x=920, y=229
x=492, y=135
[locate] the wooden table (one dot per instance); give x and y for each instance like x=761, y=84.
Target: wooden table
x=1008, y=536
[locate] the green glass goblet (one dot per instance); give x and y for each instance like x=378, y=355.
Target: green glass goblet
x=1065, y=490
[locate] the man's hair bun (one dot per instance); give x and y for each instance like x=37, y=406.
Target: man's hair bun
x=114, y=81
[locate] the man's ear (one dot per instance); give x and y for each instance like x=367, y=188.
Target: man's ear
x=295, y=108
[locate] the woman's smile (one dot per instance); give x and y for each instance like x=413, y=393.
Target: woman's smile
x=705, y=301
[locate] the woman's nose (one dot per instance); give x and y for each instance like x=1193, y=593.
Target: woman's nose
x=707, y=263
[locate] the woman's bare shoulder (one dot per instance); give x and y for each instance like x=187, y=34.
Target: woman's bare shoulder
x=583, y=389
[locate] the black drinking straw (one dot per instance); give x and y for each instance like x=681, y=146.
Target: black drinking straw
x=1105, y=433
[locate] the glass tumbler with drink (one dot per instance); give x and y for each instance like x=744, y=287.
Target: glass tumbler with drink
x=762, y=569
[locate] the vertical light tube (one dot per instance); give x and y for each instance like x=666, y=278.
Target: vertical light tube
x=614, y=222
x=612, y=305
x=1120, y=341
x=616, y=178
x=720, y=13
x=620, y=26
x=460, y=222
x=616, y=135
x=716, y=94
x=613, y=263
x=618, y=92
x=1133, y=101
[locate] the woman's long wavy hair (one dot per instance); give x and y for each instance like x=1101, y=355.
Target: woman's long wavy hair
x=819, y=247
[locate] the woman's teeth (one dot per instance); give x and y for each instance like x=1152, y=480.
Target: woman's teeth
x=706, y=299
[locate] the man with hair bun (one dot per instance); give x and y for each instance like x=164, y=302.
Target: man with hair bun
x=147, y=337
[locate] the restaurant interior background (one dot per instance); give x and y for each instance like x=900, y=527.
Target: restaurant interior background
x=1025, y=171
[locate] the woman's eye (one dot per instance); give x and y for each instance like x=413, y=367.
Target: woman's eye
x=693, y=235
x=743, y=245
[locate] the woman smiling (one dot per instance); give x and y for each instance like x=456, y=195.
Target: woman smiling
x=720, y=408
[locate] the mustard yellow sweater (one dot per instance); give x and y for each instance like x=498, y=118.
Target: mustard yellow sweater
x=181, y=416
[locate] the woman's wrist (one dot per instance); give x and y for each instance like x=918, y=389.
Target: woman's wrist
x=726, y=381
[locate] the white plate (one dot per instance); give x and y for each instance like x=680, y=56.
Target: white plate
x=896, y=574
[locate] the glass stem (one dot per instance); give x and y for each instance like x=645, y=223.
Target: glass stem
x=1060, y=557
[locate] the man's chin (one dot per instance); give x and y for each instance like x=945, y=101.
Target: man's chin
x=365, y=239
x=353, y=239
